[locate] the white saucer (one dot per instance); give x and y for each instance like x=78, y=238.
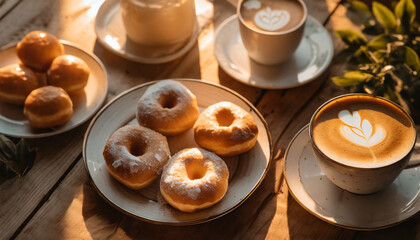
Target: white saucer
x=312, y=57
x=85, y=105
x=111, y=34
x=317, y=194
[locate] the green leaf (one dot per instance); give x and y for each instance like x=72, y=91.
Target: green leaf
x=360, y=56
x=412, y=59
x=384, y=16
x=25, y=157
x=351, y=78
x=353, y=39
x=359, y=6
x=15, y=159
x=7, y=147
x=380, y=42
x=372, y=27
x=405, y=11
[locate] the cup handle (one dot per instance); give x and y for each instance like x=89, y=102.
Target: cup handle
x=415, y=157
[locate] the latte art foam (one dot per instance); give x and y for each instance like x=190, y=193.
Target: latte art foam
x=363, y=131
x=360, y=132
x=272, y=15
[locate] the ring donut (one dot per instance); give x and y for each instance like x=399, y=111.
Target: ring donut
x=225, y=129
x=135, y=155
x=194, y=179
x=167, y=107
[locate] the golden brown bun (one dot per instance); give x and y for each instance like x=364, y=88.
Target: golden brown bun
x=167, y=107
x=48, y=106
x=225, y=129
x=16, y=82
x=194, y=179
x=38, y=49
x=68, y=72
x=135, y=155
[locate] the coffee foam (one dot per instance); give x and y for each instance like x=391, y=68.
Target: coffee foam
x=272, y=16
x=360, y=132
x=363, y=131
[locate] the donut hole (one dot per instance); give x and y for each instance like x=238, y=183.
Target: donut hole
x=137, y=149
x=195, y=170
x=224, y=118
x=167, y=100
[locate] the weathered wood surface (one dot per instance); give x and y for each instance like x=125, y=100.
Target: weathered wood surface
x=57, y=201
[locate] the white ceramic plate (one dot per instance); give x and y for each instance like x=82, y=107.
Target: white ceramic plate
x=85, y=105
x=317, y=194
x=312, y=57
x=111, y=34
x=246, y=170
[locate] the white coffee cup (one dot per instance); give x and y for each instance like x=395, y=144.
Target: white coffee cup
x=159, y=23
x=271, y=46
x=362, y=177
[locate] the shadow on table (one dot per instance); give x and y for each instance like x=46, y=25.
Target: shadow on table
x=251, y=220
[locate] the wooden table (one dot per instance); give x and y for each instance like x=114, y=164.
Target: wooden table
x=56, y=200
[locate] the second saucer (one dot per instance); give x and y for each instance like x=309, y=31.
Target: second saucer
x=312, y=57
x=112, y=35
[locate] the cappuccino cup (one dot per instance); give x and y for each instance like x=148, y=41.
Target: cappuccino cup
x=271, y=30
x=166, y=24
x=362, y=142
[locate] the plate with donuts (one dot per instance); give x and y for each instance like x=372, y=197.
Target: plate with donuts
x=177, y=151
x=48, y=86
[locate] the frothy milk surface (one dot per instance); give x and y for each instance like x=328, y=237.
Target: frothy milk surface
x=158, y=22
x=272, y=15
x=363, y=131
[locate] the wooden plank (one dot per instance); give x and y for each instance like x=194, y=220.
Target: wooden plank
x=19, y=198
x=289, y=215
x=64, y=20
x=284, y=217
x=6, y=6
x=74, y=206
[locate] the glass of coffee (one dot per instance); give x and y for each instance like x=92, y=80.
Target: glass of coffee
x=271, y=30
x=159, y=23
x=362, y=142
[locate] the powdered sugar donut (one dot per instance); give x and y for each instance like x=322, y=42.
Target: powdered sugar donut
x=194, y=179
x=135, y=155
x=225, y=129
x=167, y=107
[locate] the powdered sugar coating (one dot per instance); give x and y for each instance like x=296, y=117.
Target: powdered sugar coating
x=135, y=152
x=237, y=137
x=167, y=107
x=176, y=184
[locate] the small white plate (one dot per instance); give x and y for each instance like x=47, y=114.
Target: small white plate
x=246, y=171
x=85, y=105
x=317, y=194
x=312, y=57
x=111, y=34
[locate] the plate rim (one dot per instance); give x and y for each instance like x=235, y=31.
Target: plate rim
x=88, y=116
x=320, y=216
x=102, y=12
x=237, y=77
x=185, y=223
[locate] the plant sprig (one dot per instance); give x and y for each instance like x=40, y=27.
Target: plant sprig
x=388, y=63
x=15, y=159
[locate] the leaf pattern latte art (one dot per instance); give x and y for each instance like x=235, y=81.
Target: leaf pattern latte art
x=358, y=131
x=271, y=20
